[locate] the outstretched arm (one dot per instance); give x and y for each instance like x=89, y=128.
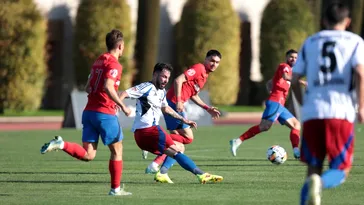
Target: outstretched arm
x=168, y=110
x=269, y=85
x=213, y=111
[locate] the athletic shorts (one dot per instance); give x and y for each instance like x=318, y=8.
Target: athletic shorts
x=173, y=123
x=331, y=137
x=153, y=139
x=275, y=111
x=97, y=124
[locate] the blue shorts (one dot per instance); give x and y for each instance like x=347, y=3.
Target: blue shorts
x=173, y=123
x=274, y=111
x=97, y=124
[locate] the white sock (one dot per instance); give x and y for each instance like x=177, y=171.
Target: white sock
x=61, y=146
x=238, y=141
x=116, y=189
x=153, y=165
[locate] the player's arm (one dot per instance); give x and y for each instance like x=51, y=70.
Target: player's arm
x=178, y=86
x=269, y=85
x=87, y=86
x=296, y=87
x=168, y=110
x=112, y=93
x=360, y=90
x=213, y=111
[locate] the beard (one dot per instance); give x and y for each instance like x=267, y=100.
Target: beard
x=160, y=85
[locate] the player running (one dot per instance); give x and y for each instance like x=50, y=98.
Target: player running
x=149, y=136
x=99, y=116
x=275, y=110
x=330, y=60
x=187, y=86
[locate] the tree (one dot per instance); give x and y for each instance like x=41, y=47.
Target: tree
x=22, y=55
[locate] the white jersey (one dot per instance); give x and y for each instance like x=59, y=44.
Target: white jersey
x=148, y=106
x=328, y=60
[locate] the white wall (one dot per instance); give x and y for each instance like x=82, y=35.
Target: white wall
x=171, y=11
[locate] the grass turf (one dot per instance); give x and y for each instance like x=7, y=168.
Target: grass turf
x=27, y=177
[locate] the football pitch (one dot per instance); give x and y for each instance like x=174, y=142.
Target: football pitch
x=27, y=177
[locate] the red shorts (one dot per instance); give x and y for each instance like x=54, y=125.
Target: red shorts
x=153, y=139
x=331, y=137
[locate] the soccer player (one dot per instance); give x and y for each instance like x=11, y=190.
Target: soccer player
x=279, y=88
x=99, y=116
x=187, y=86
x=149, y=136
x=330, y=60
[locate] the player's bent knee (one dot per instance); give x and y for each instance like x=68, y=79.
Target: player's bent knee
x=187, y=140
x=264, y=128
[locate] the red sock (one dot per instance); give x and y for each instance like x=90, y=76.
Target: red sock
x=250, y=133
x=294, y=136
x=115, y=169
x=181, y=139
x=75, y=150
x=160, y=159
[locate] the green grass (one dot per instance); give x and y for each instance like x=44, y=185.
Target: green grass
x=11, y=113
x=240, y=108
x=27, y=177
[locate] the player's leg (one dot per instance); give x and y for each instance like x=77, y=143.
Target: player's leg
x=270, y=114
x=112, y=135
x=169, y=162
x=286, y=118
x=340, y=148
x=313, y=151
x=188, y=164
x=90, y=136
x=183, y=136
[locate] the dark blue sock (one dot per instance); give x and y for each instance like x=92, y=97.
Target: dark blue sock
x=168, y=163
x=304, y=193
x=187, y=163
x=332, y=178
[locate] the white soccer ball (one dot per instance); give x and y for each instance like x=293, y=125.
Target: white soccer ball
x=276, y=154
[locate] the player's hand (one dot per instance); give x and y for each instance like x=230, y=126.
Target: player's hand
x=361, y=115
x=127, y=111
x=304, y=83
x=179, y=106
x=214, y=112
x=190, y=123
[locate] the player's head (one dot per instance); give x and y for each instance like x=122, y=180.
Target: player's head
x=161, y=74
x=212, y=60
x=337, y=16
x=291, y=57
x=115, y=42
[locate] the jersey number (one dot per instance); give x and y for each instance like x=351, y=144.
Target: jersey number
x=328, y=52
x=98, y=73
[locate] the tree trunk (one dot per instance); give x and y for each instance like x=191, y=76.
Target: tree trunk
x=146, y=48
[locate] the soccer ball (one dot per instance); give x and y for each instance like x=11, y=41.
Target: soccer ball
x=276, y=154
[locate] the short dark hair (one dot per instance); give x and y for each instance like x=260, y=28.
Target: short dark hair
x=160, y=66
x=113, y=38
x=290, y=51
x=213, y=53
x=336, y=12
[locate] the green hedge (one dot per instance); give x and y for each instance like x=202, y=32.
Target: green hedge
x=22, y=55
x=285, y=25
x=94, y=20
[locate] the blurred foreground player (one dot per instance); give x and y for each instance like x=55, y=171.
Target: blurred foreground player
x=330, y=60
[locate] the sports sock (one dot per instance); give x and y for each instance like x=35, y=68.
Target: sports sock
x=181, y=139
x=187, y=163
x=250, y=133
x=304, y=193
x=294, y=137
x=160, y=159
x=75, y=150
x=332, y=178
x=167, y=164
x=115, y=169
